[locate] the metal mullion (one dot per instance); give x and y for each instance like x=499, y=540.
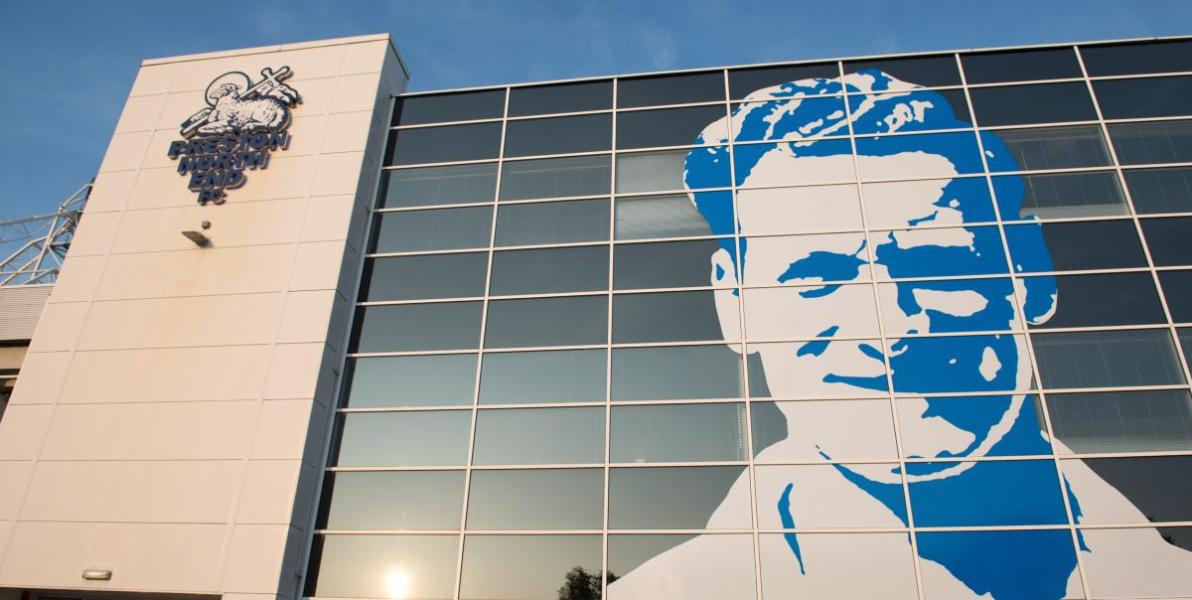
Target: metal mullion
x=399, y=209
x=1125, y=120
x=1040, y=125
x=608, y=354
x=670, y=192
x=1017, y=82
x=1020, y=309
x=1132, y=75
x=443, y=124
x=463, y=522
x=546, y=199
x=533, y=157
x=666, y=106
x=446, y=163
x=889, y=371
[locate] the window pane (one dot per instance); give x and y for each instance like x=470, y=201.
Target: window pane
x=552, y=223
x=547, y=322
x=413, y=327
x=992, y=504
x=445, y=229
x=1169, y=240
x=981, y=253
x=678, y=433
x=404, y=439
x=1140, y=98
x=734, y=572
x=478, y=141
x=1075, y=246
x=1060, y=195
x=1147, y=421
x=420, y=277
x=666, y=216
x=668, y=127
x=843, y=429
x=560, y=98
x=1020, y=65
x=536, y=499
x=1177, y=288
x=1113, y=299
x=1138, y=57
x=670, y=89
x=537, y=377
x=1156, y=580
x=960, y=148
x=539, y=436
x=461, y=106
x=755, y=121
x=866, y=375
x=1053, y=148
x=559, y=135
x=809, y=209
x=951, y=426
x=1158, y=487
x=663, y=265
x=666, y=317
x=394, y=500
x=663, y=171
x=795, y=313
x=554, y=270
x=802, y=490
x=774, y=165
x=743, y=82
x=426, y=186
x=1107, y=358
x=555, y=177
x=684, y=372
x=402, y=381
x=532, y=567
x=1023, y=104
x=369, y=566
x=949, y=111
x=884, y=559
x=1002, y=552
x=1160, y=190
x=1155, y=142
x=920, y=70
x=676, y=498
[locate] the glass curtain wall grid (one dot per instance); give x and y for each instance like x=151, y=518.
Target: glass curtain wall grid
x=557, y=370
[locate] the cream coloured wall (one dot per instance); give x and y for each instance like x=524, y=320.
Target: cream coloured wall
x=171, y=414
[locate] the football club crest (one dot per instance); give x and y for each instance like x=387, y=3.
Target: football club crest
x=243, y=123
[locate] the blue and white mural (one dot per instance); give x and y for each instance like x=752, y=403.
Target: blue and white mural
x=827, y=294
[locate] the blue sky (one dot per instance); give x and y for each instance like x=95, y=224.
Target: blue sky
x=67, y=65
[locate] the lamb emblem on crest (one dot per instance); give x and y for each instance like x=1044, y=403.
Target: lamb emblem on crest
x=237, y=105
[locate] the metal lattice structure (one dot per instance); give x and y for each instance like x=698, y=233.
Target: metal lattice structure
x=34, y=247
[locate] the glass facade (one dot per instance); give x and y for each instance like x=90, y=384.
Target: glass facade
x=913, y=327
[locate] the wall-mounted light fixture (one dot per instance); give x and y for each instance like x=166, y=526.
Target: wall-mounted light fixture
x=97, y=574
x=198, y=237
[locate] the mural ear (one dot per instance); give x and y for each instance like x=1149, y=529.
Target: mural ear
x=724, y=276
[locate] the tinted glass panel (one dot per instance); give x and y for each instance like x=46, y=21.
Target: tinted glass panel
x=1020, y=65
x=547, y=322
x=556, y=177
x=758, y=121
x=359, y=566
x=534, y=567
x=1004, y=504
x=536, y=499
x=1138, y=98
x=1138, y=57
x=1076, y=246
x=661, y=265
x=884, y=557
x=426, y=186
x=870, y=433
x=678, y=433
x=444, y=144
x=438, y=380
x=960, y=148
x=972, y=547
x=560, y=98
x=734, y=565
x=404, y=439
x=537, y=436
x=463, y=106
x=920, y=70
x=1059, y=195
x=537, y=377
x=1107, y=358
x=667, y=216
x=552, y=223
x=742, y=82
x=1160, y=142
x=663, y=172
x=1116, y=299
x=674, y=498
x=418, y=277
x=1177, y=288
x=411, y=327
x=668, y=127
x=554, y=270
x=394, y=500
x=921, y=439
x=1023, y=104
x=1160, y=190
x=670, y=89
x=1170, y=240
x=444, y=229
x=684, y=372
x=1159, y=486
x=559, y=135
x=1148, y=421
x=747, y=157
x=1054, y=147
x=674, y=316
